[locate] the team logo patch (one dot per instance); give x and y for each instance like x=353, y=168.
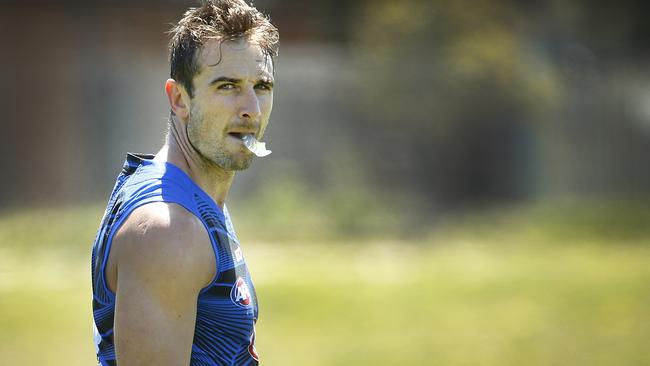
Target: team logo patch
x=240, y=294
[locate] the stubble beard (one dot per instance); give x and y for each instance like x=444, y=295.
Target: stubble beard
x=213, y=155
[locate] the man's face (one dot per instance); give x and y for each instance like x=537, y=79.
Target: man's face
x=233, y=96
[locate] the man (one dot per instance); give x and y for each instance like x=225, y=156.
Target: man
x=170, y=284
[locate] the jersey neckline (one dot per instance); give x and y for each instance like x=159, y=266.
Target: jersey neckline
x=147, y=159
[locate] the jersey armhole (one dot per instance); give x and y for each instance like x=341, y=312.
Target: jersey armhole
x=217, y=258
x=116, y=226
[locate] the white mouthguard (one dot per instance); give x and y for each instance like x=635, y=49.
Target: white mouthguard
x=256, y=147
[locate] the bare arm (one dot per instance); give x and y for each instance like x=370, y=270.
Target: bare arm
x=161, y=258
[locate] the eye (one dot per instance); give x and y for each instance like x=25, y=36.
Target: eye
x=226, y=86
x=264, y=86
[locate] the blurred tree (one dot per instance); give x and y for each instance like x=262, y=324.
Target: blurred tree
x=447, y=86
x=466, y=101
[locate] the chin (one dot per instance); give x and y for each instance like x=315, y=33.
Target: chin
x=228, y=161
x=242, y=161
x=242, y=166
x=234, y=163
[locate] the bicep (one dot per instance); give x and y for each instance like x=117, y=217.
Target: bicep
x=152, y=326
x=161, y=266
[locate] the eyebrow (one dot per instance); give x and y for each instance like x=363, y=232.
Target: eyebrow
x=225, y=79
x=236, y=81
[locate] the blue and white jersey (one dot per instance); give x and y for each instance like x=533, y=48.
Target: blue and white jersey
x=227, y=308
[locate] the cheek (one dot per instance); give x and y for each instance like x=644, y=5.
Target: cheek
x=266, y=112
x=198, y=128
x=194, y=131
x=205, y=122
x=267, y=106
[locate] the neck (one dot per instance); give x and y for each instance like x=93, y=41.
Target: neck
x=177, y=150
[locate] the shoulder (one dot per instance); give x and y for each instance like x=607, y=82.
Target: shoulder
x=158, y=220
x=160, y=239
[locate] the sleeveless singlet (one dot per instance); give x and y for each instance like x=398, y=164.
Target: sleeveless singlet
x=227, y=308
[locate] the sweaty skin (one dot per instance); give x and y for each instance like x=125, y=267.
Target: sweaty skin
x=157, y=290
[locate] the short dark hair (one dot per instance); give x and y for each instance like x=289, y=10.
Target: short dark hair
x=223, y=20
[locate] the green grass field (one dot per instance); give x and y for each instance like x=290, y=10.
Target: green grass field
x=452, y=300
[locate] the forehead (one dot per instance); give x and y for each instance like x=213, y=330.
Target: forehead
x=236, y=59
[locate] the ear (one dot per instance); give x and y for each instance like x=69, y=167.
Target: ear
x=178, y=99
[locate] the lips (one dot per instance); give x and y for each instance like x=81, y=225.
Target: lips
x=240, y=134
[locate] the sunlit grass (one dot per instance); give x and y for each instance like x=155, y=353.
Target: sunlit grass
x=466, y=304
x=488, y=299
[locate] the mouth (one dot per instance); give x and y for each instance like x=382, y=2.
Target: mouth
x=240, y=135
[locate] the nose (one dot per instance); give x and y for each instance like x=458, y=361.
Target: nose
x=249, y=106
